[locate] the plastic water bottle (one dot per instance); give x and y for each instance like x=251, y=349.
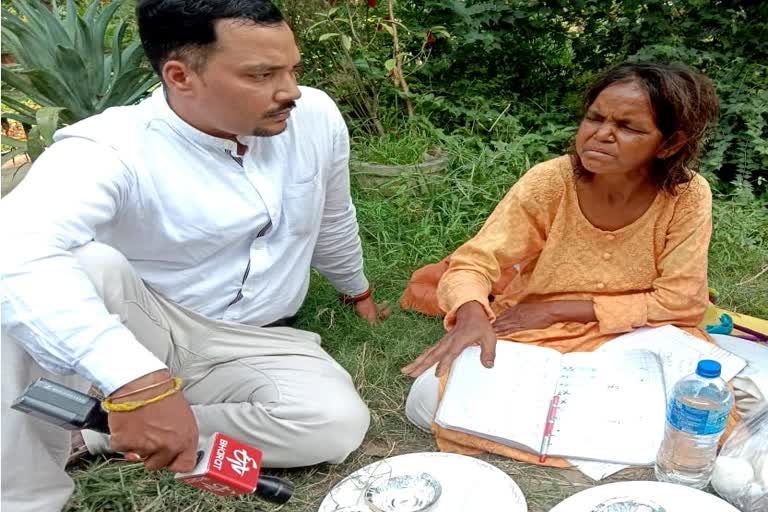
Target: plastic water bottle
x=697, y=413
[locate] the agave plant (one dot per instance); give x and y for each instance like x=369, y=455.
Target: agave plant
x=38, y=137
x=62, y=60
x=17, y=161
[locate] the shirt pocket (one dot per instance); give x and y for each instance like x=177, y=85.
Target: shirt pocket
x=301, y=206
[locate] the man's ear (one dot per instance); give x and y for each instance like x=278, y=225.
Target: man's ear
x=672, y=145
x=179, y=77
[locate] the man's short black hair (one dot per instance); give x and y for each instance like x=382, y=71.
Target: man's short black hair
x=185, y=29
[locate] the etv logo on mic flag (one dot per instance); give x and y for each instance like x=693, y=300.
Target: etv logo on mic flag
x=227, y=467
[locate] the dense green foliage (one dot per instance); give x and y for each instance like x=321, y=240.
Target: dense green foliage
x=62, y=59
x=499, y=69
x=76, y=59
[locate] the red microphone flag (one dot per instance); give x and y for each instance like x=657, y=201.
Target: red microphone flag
x=227, y=468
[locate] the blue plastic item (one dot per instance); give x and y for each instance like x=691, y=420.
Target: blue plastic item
x=724, y=327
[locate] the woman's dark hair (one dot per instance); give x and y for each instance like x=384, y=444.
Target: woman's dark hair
x=682, y=100
x=172, y=29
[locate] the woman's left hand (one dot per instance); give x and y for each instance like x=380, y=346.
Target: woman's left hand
x=540, y=315
x=524, y=316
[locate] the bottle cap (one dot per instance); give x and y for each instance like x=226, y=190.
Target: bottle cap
x=708, y=368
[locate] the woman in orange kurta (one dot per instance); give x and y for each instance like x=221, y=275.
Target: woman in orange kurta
x=611, y=237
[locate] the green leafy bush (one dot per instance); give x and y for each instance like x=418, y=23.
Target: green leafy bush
x=64, y=60
x=364, y=56
x=514, y=68
x=737, y=152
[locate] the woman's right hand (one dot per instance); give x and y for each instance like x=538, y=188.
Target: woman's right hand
x=162, y=434
x=472, y=328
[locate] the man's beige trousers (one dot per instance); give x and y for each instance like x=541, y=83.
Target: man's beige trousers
x=273, y=388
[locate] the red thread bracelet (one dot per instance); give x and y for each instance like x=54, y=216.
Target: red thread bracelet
x=347, y=299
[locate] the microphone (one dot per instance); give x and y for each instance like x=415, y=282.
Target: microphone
x=225, y=466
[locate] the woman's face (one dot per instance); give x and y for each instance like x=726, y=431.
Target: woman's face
x=618, y=134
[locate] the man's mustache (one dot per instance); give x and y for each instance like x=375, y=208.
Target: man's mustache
x=287, y=106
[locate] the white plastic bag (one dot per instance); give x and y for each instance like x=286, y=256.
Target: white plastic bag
x=741, y=470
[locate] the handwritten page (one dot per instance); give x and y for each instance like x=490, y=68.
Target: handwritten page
x=507, y=403
x=679, y=352
x=611, y=408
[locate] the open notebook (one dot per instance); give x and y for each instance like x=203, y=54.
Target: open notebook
x=679, y=353
x=611, y=405
x=612, y=402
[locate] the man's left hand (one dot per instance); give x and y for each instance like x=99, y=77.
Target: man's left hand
x=374, y=313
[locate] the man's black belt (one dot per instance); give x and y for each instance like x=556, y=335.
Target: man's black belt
x=283, y=322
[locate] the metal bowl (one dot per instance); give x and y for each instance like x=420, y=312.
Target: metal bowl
x=404, y=493
x=627, y=505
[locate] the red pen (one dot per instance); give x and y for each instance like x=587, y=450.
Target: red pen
x=548, y=428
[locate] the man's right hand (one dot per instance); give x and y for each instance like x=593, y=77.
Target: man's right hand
x=472, y=328
x=163, y=434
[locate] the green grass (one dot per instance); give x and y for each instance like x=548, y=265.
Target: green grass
x=738, y=254
x=401, y=232
x=398, y=147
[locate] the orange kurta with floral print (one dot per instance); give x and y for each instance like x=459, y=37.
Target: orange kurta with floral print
x=651, y=272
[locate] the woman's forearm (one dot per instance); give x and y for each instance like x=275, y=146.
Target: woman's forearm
x=572, y=311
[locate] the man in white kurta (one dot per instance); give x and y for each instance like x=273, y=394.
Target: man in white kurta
x=150, y=241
